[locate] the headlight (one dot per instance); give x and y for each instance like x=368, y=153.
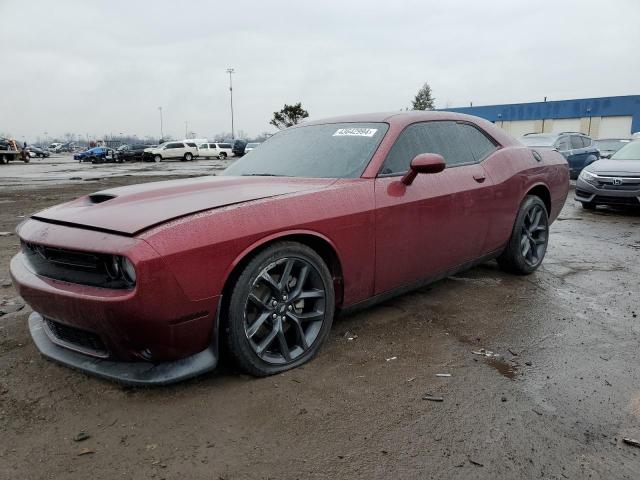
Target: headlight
x=128, y=270
x=588, y=177
x=120, y=269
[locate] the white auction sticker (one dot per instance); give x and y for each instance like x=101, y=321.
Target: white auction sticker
x=355, y=132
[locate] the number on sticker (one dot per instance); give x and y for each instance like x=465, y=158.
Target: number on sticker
x=355, y=132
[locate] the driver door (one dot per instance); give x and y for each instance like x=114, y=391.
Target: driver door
x=441, y=220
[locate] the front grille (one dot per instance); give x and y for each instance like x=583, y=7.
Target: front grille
x=617, y=183
x=616, y=200
x=86, y=268
x=76, y=339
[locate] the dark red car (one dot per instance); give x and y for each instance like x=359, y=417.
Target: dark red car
x=141, y=284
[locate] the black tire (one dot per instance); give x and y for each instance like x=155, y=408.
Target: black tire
x=529, y=238
x=3, y=160
x=222, y=156
x=317, y=282
x=188, y=157
x=588, y=205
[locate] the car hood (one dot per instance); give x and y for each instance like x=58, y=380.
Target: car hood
x=615, y=167
x=130, y=210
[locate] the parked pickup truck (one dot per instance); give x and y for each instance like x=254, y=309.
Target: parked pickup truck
x=9, y=151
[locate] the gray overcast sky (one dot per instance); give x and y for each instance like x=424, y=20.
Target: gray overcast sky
x=96, y=67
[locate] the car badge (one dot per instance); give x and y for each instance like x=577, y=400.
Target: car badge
x=617, y=181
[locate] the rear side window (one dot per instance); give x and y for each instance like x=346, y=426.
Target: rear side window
x=481, y=146
x=225, y=145
x=191, y=144
x=458, y=144
x=576, y=141
x=587, y=141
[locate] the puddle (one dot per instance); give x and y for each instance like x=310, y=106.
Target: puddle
x=505, y=369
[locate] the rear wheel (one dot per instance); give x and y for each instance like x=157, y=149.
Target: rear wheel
x=188, y=156
x=222, y=155
x=588, y=205
x=529, y=238
x=281, y=309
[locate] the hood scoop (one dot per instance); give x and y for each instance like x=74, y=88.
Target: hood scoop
x=99, y=198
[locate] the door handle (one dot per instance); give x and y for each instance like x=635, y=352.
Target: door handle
x=479, y=177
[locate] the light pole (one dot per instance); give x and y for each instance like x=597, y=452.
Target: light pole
x=186, y=135
x=231, y=71
x=161, y=132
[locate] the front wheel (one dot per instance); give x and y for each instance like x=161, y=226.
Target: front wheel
x=281, y=309
x=222, y=156
x=157, y=158
x=528, y=243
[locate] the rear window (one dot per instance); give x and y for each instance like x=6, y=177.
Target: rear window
x=191, y=144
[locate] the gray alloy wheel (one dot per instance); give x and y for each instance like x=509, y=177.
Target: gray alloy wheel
x=188, y=157
x=281, y=309
x=528, y=243
x=157, y=158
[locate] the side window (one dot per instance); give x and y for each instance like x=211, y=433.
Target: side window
x=478, y=142
x=441, y=137
x=576, y=142
x=204, y=146
x=587, y=141
x=563, y=144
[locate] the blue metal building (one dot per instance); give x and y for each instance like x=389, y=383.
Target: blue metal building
x=605, y=117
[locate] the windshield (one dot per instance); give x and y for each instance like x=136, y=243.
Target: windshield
x=331, y=150
x=538, y=140
x=631, y=151
x=611, y=145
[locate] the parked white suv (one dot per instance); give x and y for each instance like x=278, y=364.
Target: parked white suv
x=219, y=150
x=184, y=150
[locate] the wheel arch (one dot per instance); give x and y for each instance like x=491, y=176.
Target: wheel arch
x=322, y=245
x=542, y=191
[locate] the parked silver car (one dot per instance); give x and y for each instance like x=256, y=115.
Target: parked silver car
x=614, y=181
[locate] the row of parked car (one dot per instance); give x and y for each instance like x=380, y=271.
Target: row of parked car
x=607, y=171
x=185, y=150
x=579, y=149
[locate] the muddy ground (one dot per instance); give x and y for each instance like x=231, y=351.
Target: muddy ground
x=556, y=403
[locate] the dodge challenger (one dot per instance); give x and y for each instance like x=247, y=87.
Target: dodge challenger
x=143, y=284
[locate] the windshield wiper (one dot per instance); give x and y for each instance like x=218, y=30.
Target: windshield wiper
x=262, y=175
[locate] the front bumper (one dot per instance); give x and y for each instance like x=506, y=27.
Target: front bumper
x=155, y=323
x=626, y=193
x=127, y=373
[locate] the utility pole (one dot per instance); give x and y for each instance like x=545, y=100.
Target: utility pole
x=186, y=135
x=231, y=71
x=161, y=132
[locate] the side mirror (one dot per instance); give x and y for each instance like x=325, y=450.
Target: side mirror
x=424, y=163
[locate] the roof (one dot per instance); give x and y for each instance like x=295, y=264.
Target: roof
x=399, y=120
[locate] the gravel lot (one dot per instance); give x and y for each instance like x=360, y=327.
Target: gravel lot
x=556, y=402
